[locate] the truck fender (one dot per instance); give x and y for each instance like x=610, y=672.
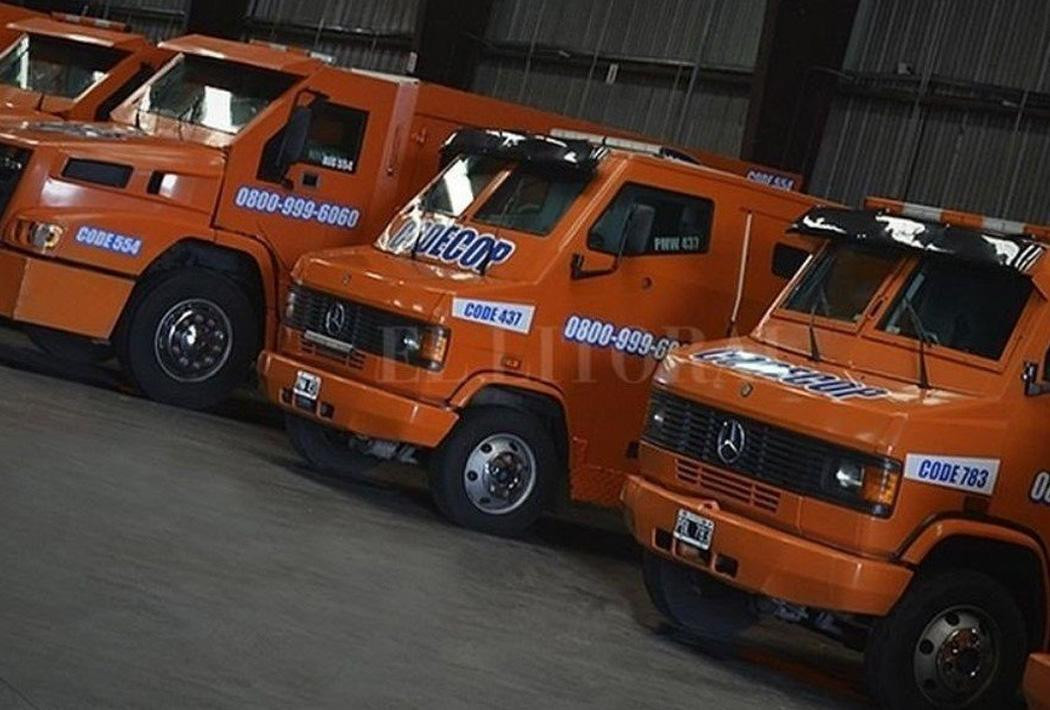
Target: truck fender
x=479, y=381
x=943, y=530
x=485, y=387
x=269, y=273
x=227, y=252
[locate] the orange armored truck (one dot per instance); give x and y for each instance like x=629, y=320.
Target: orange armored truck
x=69, y=66
x=168, y=236
x=506, y=323
x=872, y=460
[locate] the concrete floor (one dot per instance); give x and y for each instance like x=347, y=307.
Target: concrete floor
x=157, y=558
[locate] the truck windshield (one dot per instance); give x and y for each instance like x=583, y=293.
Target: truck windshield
x=965, y=307
x=461, y=183
x=531, y=200
x=55, y=66
x=212, y=93
x=842, y=282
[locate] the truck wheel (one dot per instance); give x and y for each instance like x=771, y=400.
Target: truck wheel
x=495, y=470
x=69, y=347
x=189, y=338
x=694, y=600
x=956, y=639
x=328, y=450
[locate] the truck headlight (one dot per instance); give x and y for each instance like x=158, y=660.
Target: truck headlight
x=289, y=303
x=423, y=346
x=867, y=484
x=43, y=236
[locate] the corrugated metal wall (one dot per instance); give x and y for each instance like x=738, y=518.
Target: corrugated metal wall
x=671, y=36
x=973, y=131
x=381, y=29
x=682, y=71
x=157, y=19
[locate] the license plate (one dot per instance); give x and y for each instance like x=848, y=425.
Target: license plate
x=307, y=385
x=695, y=530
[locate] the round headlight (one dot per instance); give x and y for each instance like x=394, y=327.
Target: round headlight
x=850, y=475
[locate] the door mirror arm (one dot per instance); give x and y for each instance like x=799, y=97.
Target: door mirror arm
x=636, y=232
x=1033, y=386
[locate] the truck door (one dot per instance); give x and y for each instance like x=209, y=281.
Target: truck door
x=332, y=194
x=1022, y=491
x=677, y=288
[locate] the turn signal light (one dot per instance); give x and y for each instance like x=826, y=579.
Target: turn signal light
x=434, y=346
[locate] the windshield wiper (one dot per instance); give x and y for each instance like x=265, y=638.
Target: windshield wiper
x=483, y=267
x=814, y=348
x=924, y=339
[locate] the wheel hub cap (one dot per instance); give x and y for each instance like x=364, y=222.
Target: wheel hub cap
x=500, y=474
x=193, y=340
x=957, y=656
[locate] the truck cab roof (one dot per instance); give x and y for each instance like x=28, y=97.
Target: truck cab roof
x=267, y=56
x=83, y=32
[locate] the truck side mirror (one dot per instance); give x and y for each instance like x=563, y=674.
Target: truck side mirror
x=633, y=240
x=1034, y=386
x=293, y=143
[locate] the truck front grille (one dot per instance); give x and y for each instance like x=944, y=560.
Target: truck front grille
x=362, y=328
x=778, y=457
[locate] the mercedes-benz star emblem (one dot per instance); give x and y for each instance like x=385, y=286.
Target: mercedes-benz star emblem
x=731, y=441
x=335, y=319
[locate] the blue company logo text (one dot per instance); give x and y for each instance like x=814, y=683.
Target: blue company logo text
x=451, y=244
x=804, y=378
x=110, y=241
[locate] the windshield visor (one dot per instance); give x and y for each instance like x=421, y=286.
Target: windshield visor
x=55, y=66
x=481, y=212
x=215, y=94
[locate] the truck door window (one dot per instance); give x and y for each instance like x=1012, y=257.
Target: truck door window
x=221, y=95
x=531, y=200
x=960, y=306
x=461, y=183
x=55, y=66
x=842, y=282
x=681, y=225
x=336, y=136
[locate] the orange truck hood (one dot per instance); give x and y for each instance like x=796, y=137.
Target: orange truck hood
x=392, y=282
x=825, y=401
x=114, y=143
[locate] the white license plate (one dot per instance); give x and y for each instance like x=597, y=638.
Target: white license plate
x=695, y=530
x=307, y=385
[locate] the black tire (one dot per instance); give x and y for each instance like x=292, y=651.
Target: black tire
x=142, y=345
x=448, y=474
x=328, y=450
x=891, y=656
x=696, y=601
x=69, y=347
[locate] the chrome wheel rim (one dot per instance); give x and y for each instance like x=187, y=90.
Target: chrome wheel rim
x=500, y=474
x=957, y=656
x=193, y=340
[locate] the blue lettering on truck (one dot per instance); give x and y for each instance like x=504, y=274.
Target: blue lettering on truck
x=110, y=241
x=296, y=207
x=451, y=244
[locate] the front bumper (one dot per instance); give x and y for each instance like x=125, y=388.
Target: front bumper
x=761, y=559
x=357, y=407
x=1037, y=683
x=60, y=296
